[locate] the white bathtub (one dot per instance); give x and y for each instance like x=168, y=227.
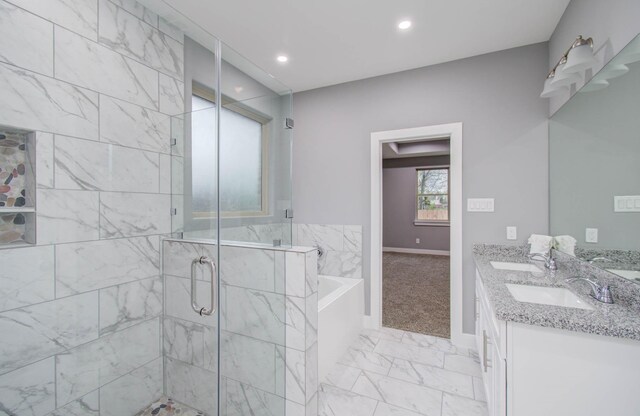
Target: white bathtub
x=340, y=318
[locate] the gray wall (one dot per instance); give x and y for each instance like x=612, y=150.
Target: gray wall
x=399, y=206
x=611, y=23
x=496, y=96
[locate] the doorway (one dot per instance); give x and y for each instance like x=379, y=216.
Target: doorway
x=452, y=132
x=415, y=236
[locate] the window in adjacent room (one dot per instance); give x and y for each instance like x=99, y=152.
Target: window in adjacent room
x=432, y=196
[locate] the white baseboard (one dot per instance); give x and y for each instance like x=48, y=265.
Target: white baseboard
x=415, y=251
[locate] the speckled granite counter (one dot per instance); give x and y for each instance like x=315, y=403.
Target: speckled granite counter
x=622, y=319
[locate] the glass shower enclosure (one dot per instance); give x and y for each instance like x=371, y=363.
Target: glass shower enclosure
x=224, y=315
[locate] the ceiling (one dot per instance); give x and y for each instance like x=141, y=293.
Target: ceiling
x=334, y=41
x=418, y=148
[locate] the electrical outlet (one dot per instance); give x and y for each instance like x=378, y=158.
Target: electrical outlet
x=417, y=241
x=512, y=233
x=591, y=235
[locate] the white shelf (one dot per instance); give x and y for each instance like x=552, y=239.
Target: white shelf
x=12, y=210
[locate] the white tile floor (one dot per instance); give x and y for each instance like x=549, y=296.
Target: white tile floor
x=397, y=373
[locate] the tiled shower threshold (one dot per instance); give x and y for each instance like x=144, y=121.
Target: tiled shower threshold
x=165, y=406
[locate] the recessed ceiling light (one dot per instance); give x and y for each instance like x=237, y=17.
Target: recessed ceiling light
x=404, y=25
x=282, y=58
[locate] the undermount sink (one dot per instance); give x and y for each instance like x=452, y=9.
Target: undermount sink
x=627, y=274
x=557, y=296
x=518, y=267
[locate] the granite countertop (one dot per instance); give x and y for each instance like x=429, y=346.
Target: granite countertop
x=621, y=319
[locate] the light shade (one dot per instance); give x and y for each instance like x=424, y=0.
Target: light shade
x=631, y=53
x=564, y=78
x=613, y=71
x=580, y=58
x=551, y=91
x=595, y=85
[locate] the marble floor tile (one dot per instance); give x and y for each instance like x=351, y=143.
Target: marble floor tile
x=385, y=333
x=410, y=388
x=460, y=406
x=478, y=389
x=428, y=341
x=399, y=393
x=343, y=376
x=413, y=353
x=367, y=360
x=333, y=401
x=365, y=342
x=435, y=377
x=385, y=409
x=463, y=365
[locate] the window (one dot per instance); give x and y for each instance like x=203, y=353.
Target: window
x=243, y=163
x=432, y=195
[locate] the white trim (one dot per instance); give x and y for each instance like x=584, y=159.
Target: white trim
x=415, y=251
x=454, y=132
x=465, y=341
x=367, y=322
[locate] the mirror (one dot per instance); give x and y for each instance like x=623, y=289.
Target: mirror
x=594, y=163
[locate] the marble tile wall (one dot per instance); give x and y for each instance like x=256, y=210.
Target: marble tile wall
x=342, y=246
x=268, y=329
x=81, y=311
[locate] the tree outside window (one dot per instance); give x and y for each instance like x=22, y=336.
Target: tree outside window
x=432, y=195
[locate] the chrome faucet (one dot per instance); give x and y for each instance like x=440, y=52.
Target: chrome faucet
x=601, y=293
x=549, y=261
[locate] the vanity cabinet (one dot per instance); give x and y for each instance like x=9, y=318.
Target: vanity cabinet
x=491, y=351
x=529, y=370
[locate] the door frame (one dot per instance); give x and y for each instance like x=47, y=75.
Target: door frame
x=453, y=131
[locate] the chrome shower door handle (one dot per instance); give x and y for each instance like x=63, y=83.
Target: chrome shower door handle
x=194, y=292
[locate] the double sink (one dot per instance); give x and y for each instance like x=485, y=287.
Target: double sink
x=557, y=296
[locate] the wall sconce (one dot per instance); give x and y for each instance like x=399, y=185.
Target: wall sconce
x=567, y=71
x=580, y=56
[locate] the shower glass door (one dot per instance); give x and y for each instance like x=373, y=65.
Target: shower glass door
x=231, y=215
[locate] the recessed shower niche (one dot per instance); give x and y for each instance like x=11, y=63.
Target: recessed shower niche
x=17, y=187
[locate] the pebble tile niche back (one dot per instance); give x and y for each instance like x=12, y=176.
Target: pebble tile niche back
x=17, y=187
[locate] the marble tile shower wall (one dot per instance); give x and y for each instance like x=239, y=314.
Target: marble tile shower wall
x=268, y=335
x=80, y=312
x=342, y=246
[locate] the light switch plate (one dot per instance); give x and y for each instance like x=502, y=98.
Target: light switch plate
x=591, y=235
x=630, y=203
x=512, y=233
x=480, y=204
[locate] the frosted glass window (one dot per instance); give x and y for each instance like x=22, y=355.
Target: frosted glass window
x=241, y=157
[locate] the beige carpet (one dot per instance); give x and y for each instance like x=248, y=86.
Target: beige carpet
x=415, y=294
